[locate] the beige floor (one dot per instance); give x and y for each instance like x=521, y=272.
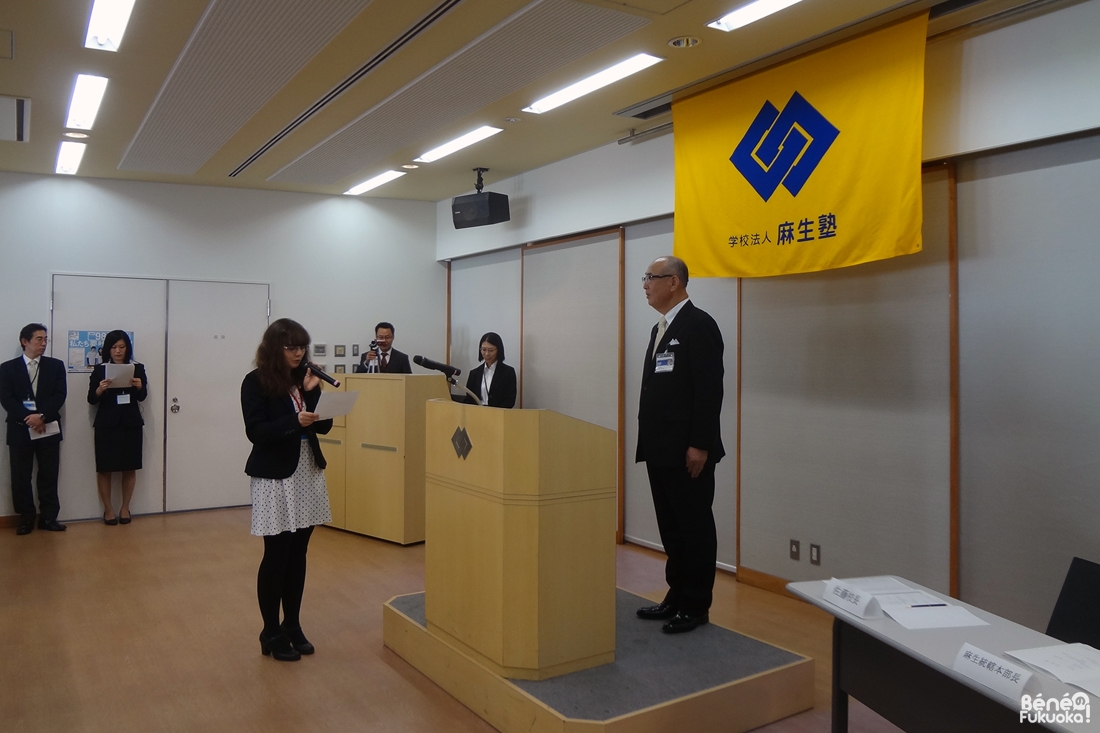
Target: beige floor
x=153, y=626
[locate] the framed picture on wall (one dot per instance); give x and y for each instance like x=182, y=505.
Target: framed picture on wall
x=340, y=350
x=341, y=369
x=355, y=349
x=320, y=350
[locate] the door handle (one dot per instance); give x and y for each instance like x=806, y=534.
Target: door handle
x=175, y=406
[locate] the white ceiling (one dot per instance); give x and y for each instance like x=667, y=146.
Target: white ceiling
x=319, y=95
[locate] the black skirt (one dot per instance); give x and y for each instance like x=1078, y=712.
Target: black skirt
x=117, y=449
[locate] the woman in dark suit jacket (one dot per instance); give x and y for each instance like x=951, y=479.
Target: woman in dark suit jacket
x=493, y=373
x=118, y=424
x=289, y=497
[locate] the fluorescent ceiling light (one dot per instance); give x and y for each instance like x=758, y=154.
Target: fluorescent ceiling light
x=87, y=95
x=750, y=13
x=599, y=80
x=108, y=23
x=458, y=143
x=374, y=182
x=68, y=157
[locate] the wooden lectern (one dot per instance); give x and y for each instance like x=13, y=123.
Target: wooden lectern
x=520, y=553
x=383, y=461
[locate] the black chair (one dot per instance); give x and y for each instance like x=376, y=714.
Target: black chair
x=1076, y=616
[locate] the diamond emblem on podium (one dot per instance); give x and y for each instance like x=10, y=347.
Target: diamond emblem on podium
x=461, y=441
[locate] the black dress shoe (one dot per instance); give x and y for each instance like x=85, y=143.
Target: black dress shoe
x=24, y=528
x=663, y=610
x=298, y=640
x=124, y=520
x=681, y=622
x=278, y=647
x=110, y=522
x=51, y=524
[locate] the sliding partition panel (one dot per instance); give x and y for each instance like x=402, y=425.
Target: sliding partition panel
x=485, y=296
x=717, y=296
x=1029, y=327
x=845, y=414
x=571, y=328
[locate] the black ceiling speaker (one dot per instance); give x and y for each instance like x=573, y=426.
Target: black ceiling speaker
x=479, y=209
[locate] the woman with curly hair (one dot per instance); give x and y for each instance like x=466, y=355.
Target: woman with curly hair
x=279, y=398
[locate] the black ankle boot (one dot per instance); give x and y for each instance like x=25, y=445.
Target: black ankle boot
x=297, y=639
x=279, y=647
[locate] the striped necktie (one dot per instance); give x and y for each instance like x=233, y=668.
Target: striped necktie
x=32, y=372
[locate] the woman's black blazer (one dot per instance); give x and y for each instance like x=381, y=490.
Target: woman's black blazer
x=502, y=392
x=111, y=414
x=271, y=423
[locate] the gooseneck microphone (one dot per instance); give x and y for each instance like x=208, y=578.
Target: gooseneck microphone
x=427, y=363
x=321, y=375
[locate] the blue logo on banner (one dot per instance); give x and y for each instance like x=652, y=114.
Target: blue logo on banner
x=783, y=147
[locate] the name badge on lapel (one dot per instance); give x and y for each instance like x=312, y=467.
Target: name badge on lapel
x=123, y=399
x=665, y=362
x=30, y=405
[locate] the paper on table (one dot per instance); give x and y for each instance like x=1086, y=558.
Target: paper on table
x=52, y=428
x=121, y=375
x=908, y=599
x=1074, y=664
x=335, y=404
x=938, y=617
x=878, y=584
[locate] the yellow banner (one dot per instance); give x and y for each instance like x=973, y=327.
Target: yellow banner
x=810, y=165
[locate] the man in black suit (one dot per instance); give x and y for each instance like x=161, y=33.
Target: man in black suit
x=387, y=360
x=32, y=390
x=679, y=438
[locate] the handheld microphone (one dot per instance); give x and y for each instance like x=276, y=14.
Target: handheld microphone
x=427, y=363
x=321, y=375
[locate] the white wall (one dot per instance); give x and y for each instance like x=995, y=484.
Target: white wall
x=983, y=89
x=337, y=264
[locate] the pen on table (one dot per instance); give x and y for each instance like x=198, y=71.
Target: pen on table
x=927, y=605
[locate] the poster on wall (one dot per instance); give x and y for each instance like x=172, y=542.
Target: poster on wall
x=83, y=351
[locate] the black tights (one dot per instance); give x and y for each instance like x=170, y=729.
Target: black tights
x=282, y=578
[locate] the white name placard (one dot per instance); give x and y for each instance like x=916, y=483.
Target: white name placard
x=852, y=599
x=1004, y=676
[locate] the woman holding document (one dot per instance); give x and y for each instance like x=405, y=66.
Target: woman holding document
x=118, y=423
x=492, y=380
x=289, y=497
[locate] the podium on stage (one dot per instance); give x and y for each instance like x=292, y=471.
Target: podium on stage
x=382, y=491
x=520, y=522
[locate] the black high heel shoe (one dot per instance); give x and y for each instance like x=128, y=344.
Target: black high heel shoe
x=298, y=640
x=278, y=647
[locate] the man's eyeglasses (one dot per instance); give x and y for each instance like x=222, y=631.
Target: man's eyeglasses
x=294, y=347
x=650, y=277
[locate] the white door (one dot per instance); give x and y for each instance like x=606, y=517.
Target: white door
x=214, y=329
x=95, y=303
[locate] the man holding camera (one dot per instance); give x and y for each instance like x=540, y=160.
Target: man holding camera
x=382, y=357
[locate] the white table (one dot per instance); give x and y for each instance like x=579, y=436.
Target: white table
x=907, y=677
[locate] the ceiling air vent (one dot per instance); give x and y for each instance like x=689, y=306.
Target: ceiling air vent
x=15, y=117
x=649, y=108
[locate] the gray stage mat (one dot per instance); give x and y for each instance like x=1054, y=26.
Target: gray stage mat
x=650, y=667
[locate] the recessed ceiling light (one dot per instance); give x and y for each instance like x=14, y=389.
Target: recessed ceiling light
x=77, y=135
x=87, y=94
x=107, y=24
x=599, y=80
x=373, y=183
x=410, y=166
x=458, y=143
x=683, y=41
x=750, y=13
x=68, y=158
